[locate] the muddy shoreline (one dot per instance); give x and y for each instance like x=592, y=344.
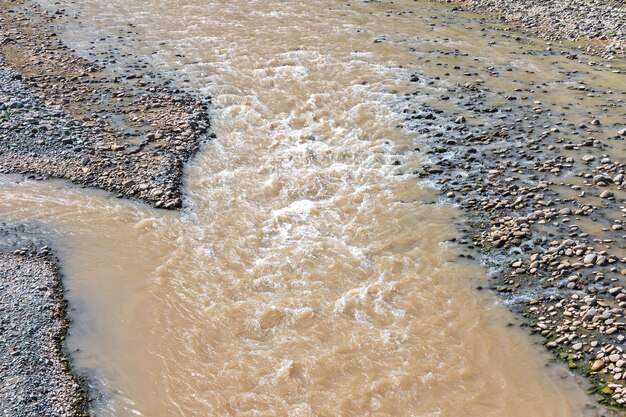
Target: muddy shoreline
x=599, y=26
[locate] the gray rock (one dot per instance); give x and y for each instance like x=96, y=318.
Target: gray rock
x=590, y=258
x=602, y=178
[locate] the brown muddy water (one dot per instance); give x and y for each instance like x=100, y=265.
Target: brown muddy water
x=308, y=274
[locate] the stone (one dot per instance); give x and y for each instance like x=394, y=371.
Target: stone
x=611, y=330
x=602, y=178
x=597, y=365
x=590, y=314
x=435, y=169
x=590, y=258
x=615, y=290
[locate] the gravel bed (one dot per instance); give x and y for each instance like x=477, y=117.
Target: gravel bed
x=35, y=376
x=602, y=23
x=545, y=203
x=64, y=117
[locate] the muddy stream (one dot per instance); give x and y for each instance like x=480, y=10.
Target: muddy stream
x=308, y=273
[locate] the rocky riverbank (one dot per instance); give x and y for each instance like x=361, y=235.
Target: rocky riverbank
x=35, y=377
x=543, y=189
x=600, y=24
x=64, y=117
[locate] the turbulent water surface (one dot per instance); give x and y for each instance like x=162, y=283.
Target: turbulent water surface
x=307, y=274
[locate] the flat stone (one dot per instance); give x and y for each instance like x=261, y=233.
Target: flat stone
x=590, y=258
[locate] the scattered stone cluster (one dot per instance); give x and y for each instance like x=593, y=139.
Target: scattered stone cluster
x=545, y=201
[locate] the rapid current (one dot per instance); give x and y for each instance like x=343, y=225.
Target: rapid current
x=307, y=274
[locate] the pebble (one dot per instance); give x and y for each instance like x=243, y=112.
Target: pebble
x=597, y=365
